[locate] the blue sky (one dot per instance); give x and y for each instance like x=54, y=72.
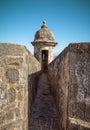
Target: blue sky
x=69, y=20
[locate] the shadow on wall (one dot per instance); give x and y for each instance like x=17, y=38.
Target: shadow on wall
x=32, y=91
x=58, y=76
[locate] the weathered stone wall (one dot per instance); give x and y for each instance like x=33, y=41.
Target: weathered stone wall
x=32, y=90
x=79, y=88
x=16, y=64
x=58, y=75
x=69, y=76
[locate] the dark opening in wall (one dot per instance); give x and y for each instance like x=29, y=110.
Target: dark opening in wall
x=44, y=59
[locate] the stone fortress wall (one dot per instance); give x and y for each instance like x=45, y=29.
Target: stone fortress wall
x=69, y=78
x=16, y=65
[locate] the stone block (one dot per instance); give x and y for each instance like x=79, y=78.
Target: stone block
x=14, y=61
x=12, y=75
x=9, y=115
x=11, y=95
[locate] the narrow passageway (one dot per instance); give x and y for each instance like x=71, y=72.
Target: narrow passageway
x=44, y=114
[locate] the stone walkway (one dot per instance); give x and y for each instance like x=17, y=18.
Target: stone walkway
x=44, y=115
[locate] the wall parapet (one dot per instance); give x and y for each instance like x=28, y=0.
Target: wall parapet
x=16, y=64
x=69, y=76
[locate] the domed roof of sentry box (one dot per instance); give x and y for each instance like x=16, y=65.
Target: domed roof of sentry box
x=44, y=36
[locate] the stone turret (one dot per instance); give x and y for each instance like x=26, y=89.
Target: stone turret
x=44, y=44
